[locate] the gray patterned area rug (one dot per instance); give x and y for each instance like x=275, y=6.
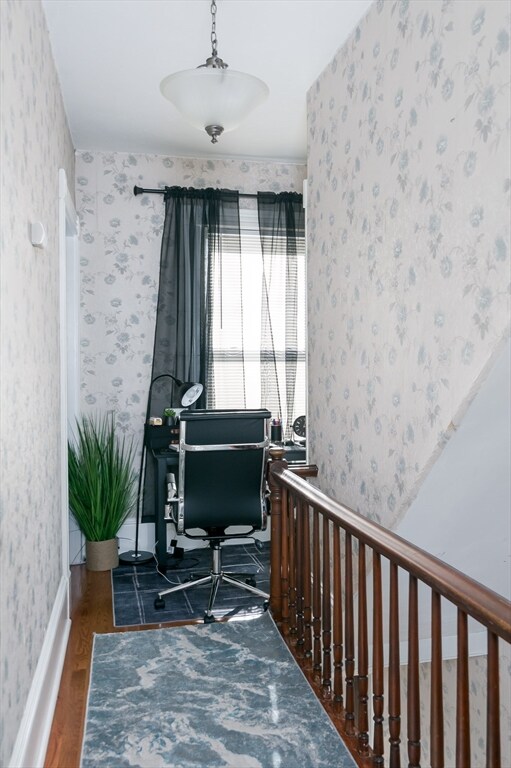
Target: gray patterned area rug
x=135, y=587
x=224, y=695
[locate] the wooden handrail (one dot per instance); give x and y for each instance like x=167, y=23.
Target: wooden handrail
x=488, y=607
x=322, y=553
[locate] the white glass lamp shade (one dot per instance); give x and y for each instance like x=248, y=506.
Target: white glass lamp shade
x=210, y=96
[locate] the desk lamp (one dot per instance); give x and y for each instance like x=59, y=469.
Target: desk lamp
x=187, y=394
x=188, y=391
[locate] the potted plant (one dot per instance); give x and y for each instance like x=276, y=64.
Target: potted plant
x=101, y=487
x=169, y=415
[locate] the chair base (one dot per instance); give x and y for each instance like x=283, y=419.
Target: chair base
x=215, y=578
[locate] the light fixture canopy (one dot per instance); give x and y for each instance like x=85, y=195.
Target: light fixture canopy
x=213, y=97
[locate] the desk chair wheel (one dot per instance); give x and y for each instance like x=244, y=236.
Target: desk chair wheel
x=209, y=619
x=159, y=603
x=266, y=605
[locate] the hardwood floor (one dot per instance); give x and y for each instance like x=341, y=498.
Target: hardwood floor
x=91, y=612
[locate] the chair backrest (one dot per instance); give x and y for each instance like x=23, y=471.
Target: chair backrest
x=222, y=469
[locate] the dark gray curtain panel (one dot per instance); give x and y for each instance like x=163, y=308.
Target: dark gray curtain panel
x=193, y=220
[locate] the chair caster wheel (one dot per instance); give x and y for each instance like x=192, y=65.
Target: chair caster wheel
x=159, y=603
x=251, y=581
x=266, y=605
x=209, y=619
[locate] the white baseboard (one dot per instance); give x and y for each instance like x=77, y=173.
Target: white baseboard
x=34, y=732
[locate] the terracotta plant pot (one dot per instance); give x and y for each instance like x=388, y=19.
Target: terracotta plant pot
x=101, y=555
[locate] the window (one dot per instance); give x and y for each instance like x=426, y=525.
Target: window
x=248, y=345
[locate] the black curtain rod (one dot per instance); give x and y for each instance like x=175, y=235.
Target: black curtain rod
x=140, y=191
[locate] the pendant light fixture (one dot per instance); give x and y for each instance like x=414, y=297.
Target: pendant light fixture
x=213, y=97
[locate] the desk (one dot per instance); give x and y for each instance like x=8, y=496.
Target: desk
x=164, y=459
x=295, y=454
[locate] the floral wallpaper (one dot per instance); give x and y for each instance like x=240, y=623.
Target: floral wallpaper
x=120, y=253
x=35, y=144
x=409, y=188
x=408, y=222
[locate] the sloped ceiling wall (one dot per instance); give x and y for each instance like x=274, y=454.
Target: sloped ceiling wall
x=462, y=510
x=408, y=226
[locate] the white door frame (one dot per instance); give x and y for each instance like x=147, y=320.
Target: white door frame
x=69, y=270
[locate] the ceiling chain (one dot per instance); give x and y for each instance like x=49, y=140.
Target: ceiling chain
x=214, y=41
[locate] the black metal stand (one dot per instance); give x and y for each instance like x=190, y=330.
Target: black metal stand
x=134, y=556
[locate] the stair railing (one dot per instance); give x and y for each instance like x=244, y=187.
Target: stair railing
x=326, y=578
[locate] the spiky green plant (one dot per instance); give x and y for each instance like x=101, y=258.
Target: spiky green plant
x=101, y=478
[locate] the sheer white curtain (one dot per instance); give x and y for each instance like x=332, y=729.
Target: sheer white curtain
x=257, y=311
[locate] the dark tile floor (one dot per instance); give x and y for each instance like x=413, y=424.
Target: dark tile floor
x=134, y=588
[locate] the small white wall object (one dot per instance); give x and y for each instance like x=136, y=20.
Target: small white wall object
x=37, y=234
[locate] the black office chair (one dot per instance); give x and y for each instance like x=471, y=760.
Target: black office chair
x=221, y=483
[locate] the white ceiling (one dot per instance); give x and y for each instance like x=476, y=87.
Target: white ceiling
x=112, y=54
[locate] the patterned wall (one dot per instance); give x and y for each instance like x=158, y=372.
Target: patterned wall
x=120, y=253
x=35, y=143
x=409, y=192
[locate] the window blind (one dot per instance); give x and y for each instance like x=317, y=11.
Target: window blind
x=238, y=286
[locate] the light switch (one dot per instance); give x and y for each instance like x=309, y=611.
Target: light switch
x=37, y=234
